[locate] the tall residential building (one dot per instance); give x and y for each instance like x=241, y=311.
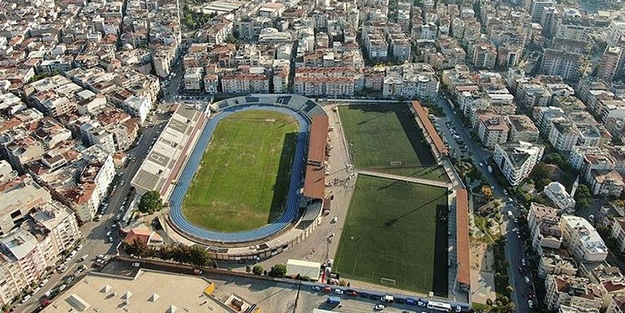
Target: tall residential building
x=563, y=290
x=563, y=63
x=517, y=159
x=538, y=6
x=582, y=240
x=609, y=63
x=21, y=263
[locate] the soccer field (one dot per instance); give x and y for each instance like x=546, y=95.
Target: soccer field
x=243, y=179
x=395, y=234
x=386, y=138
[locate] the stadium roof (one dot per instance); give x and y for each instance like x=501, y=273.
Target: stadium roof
x=462, y=236
x=318, y=138
x=429, y=128
x=314, y=183
x=168, y=149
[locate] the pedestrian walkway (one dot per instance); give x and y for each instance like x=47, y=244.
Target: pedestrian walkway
x=422, y=181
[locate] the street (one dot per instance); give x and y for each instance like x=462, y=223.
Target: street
x=514, y=245
x=95, y=240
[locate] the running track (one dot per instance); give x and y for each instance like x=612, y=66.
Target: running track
x=177, y=197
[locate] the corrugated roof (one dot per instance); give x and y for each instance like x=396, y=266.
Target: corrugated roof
x=429, y=128
x=462, y=236
x=318, y=138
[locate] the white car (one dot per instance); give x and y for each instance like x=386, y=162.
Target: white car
x=108, y=234
x=338, y=291
x=136, y=264
x=380, y=307
x=62, y=287
x=527, y=280
x=530, y=304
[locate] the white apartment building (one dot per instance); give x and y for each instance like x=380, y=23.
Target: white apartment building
x=139, y=107
x=21, y=263
x=582, y=240
x=517, y=159
x=193, y=79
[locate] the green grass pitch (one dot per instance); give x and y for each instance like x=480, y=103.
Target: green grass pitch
x=395, y=230
x=386, y=138
x=244, y=175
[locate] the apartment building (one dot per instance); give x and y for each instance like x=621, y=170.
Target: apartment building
x=492, y=128
x=331, y=81
x=569, y=65
x=21, y=263
x=582, y=240
x=563, y=135
x=193, y=79
x=544, y=224
x=254, y=80
x=522, y=128
x=517, y=159
x=554, y=264
x=609, y=63
x=563, y=290
x=18, y=198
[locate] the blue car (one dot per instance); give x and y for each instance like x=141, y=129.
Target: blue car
x=411, y=301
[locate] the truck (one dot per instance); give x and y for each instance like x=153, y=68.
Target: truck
x=333, y=300
x=490, y=169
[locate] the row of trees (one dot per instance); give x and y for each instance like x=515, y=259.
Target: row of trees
x=194, y=255
x=278, y=270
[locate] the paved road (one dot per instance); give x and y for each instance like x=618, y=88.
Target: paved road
x=95, y=241
x=514, y=246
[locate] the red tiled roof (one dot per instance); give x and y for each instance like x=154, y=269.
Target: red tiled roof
x=429, y=128
x=462, y=236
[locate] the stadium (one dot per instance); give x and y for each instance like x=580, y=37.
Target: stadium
x=289, y=141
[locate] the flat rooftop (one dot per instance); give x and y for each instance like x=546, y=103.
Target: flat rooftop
x=148, y=291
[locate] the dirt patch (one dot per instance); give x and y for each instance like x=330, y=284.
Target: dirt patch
x=482, y=271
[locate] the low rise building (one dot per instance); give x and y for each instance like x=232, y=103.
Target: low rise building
x=554, y=264
x=560, y=198
x=563, y=290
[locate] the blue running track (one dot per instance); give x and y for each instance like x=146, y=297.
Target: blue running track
x=177, y=197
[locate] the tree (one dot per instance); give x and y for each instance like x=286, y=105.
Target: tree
x=258, y=270
x=541, y=171
x=278, y=270
x=583, y=196
x=198, y=256
x=150, y=202
x=487, y=192
x=248, y=269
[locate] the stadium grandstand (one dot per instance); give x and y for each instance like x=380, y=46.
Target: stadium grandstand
x=421, y=115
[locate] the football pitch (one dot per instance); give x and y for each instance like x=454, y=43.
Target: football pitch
x=395, y=234
x=243, y=179
x=386, y=138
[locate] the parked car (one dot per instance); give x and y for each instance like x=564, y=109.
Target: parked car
x=379, y=307
x=338, y=291
x=136, y=264
x=527, y=280
x=316, y=288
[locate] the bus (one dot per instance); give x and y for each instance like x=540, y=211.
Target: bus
x=439, y=306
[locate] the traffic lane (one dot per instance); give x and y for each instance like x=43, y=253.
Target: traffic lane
x=513, y=247
x=515, y=252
